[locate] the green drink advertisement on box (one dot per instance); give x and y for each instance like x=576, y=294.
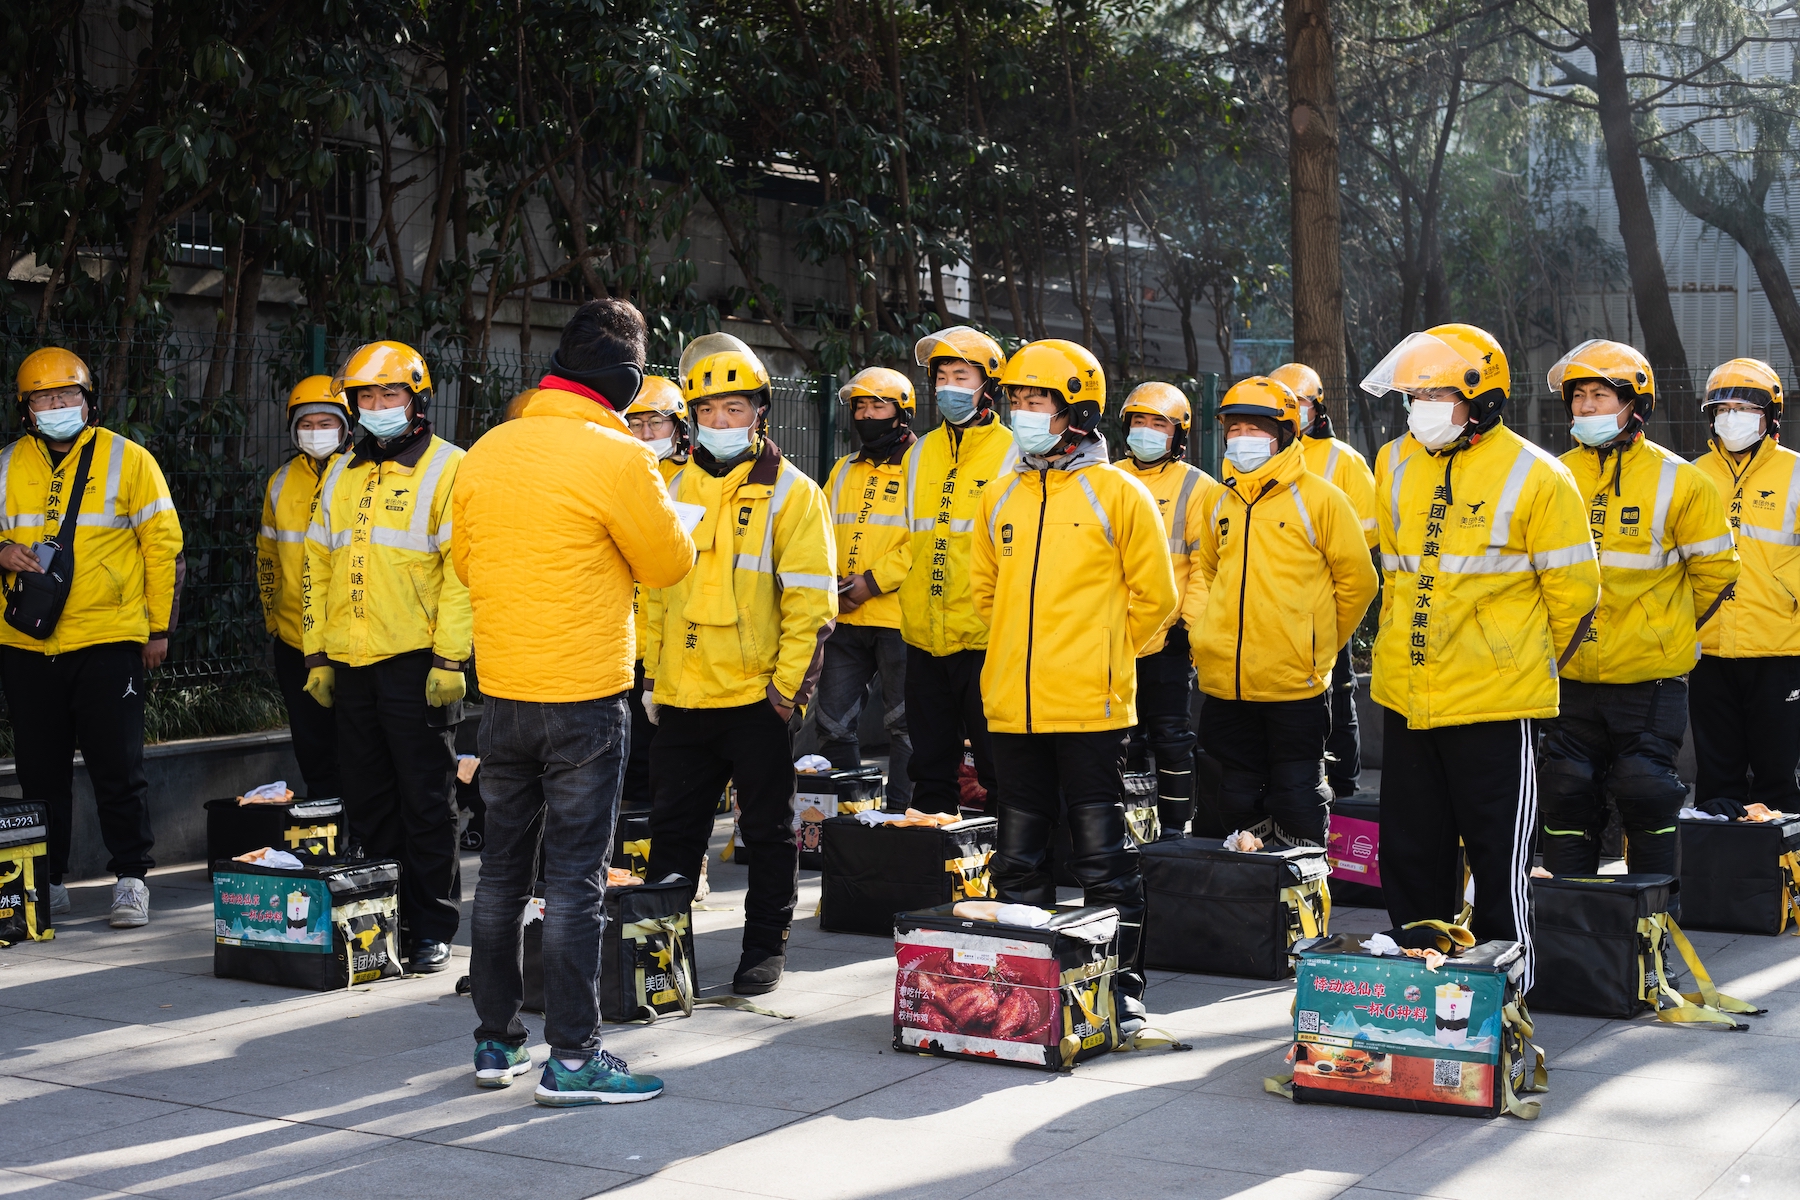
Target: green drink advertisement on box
x=1388, y=1027
x=271, y=912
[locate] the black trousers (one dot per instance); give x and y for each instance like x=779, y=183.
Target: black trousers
x=1165, y=728
x=1618, y=741
x=697, y=751
x=943, y=706
x=1746, y=720
x=1343, y=746
x=312, y=725
x=1270, y=755
x=93, y=697
x=398, y=756
x=1040, y=775
x=1474, y=782
x=636, y=794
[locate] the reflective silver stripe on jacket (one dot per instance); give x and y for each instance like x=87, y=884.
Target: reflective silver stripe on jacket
x=1400, y=562
x=1793, y=501
x=1658, y=557
x=1773, y=537
x=320, y=529
x=1178, y=543
x=1495, y=561
x=765, y=563
x=913, y=453
x=1305, y=517
x=1398, y=465
x=1094, y=503
x=1331, y=461
x=1001, y=503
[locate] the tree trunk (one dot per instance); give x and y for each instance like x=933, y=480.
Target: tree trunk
x=1318, y=275
x=137, y=253
x=901, y=180
x=226, y=319
x=1081, y=220
x=1115, y=290
x=1190, y=344
x=1649, y=284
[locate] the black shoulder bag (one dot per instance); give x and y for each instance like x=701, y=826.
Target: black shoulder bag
x=35, y=601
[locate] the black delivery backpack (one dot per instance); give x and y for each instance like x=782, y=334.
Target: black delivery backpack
x=1741, y=876
x=319, y=928
x=873, y=872
x=646, y=953
x=1221, y=912
x=313, y=831
x=24, y=873
x=1606, y=947
x=631, y=842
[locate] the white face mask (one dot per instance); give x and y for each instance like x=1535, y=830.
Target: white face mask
x=725, y=445
x=1430, y=422
x=1033, y=433
x=320, y=443
x=1738, y=430
x=1306, y=416
x=1249, y=453
x=661, y=447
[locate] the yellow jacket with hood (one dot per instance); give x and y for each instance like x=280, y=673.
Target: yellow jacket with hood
x=281, y=542
x=948, y=471
x=1666, y=557
x=1337, y=462
x=868, y=516
x=127, y=541
x=1762, y=503
x=1070, y=571
x=1283, y=554
x=666, y=470
x=1180, y=490
x=1490, y=575
x=761, y=599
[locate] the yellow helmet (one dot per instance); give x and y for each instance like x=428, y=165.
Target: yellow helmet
x=881, y=383
x=1458, y=357
x=1065, y=368
x=1262, y=396
x=659, y=395
x=385, y=364
x=960, y=341
x=1301, y=380
x=1613, y=363
x=717, y=364
x=313, y=393
x=1748, y=379
x=1163, y=400
x=54, y=367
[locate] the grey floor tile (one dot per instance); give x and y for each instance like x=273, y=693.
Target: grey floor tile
x=1486, y=1160
x=36, y=1187
x=44, y=1117
x=777, y=1075
x=1153, y=1179
x=1623, y=1108
x=410, y=1169
x=1756, y=1177
x=1782, y=1139
x=33, y=1041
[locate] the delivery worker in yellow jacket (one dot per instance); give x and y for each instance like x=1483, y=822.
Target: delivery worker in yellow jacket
x=1289, y=579
x=1490, y=584
x=947, y=472
x=318, y=421
x=1070, y=570
x=81, y=679
x=734, y=650
x=550, y=571
x=658, y=417
x=1666, y=560
x=1337, y=462
x=1745, y=705
x=386, y=630
x=874, y=552
x=1157, y=420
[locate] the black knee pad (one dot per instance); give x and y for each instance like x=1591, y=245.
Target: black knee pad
x=1021, y=864
x=1240, y=797
x=1299, y=801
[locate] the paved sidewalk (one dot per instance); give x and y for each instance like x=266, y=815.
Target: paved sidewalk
x=132, y=1070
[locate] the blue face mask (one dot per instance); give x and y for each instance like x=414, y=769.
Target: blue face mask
x=1147, y=445
x=1032, y=429
x=723, y=444
x=1249, y=453
x=384, y=423
x=1596, y=430
x=955, y=404
x=61, y=424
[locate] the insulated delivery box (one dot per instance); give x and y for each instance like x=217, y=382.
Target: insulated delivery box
x=818, y=796
x=313, y=831
x=24, y=873
x=1038, y=996
x=873, y=872
x=1607, y=947
x=631, y=842
x=1228, y=912
x=1741, y=876
x=646, y=953
x=1388, y=1032
x=1353, y=848
x=316, y=927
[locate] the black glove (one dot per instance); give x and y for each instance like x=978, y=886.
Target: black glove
x=1724, y=806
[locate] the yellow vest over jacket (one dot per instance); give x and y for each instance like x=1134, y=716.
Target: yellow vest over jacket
x=550, y=568
x=281, y=542
x=761, y=598
x=1337, y=462
x=1179, y=490
x=379, y=578
x=1070, y=570
x=868, y=515
x=1283, y=554
x=1762, y=503
x=1665, y=556
x=946, y=476
x=1489, y=572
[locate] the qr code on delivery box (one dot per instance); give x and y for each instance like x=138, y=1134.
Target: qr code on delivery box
x=1307, y=1021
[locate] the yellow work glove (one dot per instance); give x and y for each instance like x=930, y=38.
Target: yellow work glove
x=444, y=687
x=320, y=682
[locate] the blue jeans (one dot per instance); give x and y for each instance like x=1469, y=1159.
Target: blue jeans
x=556, y=768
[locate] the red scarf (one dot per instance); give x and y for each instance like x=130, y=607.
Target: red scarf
x=569, y=385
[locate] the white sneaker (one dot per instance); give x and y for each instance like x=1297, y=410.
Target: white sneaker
x=131, y=903
x=59, y=899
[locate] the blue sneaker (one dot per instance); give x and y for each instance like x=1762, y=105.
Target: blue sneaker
x=496, y=1063
x=602, y=1079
